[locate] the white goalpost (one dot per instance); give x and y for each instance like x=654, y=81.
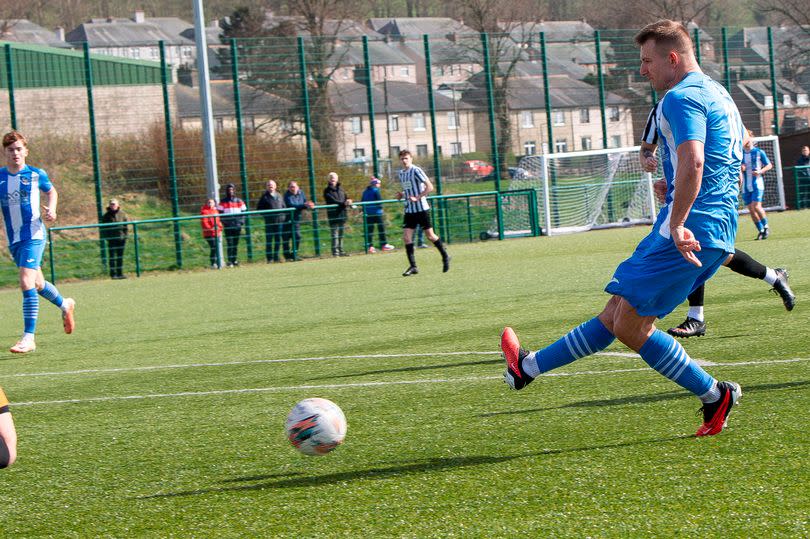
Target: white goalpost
x=606, y=188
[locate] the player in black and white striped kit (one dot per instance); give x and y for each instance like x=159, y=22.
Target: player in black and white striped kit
x=415, y=188
x=739, y=262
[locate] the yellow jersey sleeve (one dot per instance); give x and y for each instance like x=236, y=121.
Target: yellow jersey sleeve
x=3, y=399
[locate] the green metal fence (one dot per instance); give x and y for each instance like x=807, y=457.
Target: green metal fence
x=151, y=246
x=295, y=108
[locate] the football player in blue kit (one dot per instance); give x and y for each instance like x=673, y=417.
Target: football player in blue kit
x=755, y=164
x=700, y=136
x=20, y=186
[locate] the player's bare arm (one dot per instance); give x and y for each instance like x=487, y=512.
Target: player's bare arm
x=688, y=178
x=647, y=158
x=50, y=209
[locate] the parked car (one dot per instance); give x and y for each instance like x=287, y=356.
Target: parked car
x=477, y=168
x=515, y=173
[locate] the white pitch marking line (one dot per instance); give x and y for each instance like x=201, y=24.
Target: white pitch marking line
x=371, y=384
x=260, y=361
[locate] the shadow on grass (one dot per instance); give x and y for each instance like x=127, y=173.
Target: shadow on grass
x=643, y=399
x=411, y=369
x=431, y=465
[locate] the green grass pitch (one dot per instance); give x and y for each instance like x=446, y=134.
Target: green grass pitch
x=162, y=416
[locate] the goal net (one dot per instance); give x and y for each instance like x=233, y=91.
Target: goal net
x=580, y=191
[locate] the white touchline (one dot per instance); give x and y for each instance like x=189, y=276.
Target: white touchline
x=283, y=360
x=375, y=384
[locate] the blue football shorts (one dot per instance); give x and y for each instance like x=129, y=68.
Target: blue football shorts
x=28, y=253
x=657, y=278
x=753, y=196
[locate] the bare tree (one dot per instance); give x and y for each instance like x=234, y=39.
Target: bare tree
x=507, y=44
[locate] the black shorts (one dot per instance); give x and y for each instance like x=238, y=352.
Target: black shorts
x=421, y=218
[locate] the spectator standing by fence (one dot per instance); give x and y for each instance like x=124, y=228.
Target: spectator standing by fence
x=115, y=237
x=802, y=172
x=231, y=207
x=336, y=196
x=294, y=197
x=374, y=217
x=211, y=231
x=273, y=222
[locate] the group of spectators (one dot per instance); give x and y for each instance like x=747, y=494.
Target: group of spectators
x=282, y=229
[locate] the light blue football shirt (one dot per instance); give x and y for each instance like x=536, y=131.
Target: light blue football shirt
x=753, y=160
x=700, y=109
x=20, y=199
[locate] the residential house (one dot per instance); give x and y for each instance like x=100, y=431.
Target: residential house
x=25, y=31
x=755, y=99
x=576, y=116
x=401, y=120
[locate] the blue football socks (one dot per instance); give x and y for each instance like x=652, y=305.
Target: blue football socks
x=50, y=293
x=584, y=340
x=30, y=310
x=666, y=355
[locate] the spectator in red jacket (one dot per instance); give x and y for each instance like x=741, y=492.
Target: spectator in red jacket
x=211, y=230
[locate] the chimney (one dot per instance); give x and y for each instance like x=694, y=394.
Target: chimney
x=140, y=16
x=60, y=33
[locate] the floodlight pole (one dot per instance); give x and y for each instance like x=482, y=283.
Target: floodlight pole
x=206, y=114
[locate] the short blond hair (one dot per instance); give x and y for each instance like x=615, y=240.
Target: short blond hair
x=667, y=34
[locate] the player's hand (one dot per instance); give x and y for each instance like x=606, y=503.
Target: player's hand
x=686, y=243
x=756, y=172
x=413, y=199
x=660, y=190
x=650, y=163
x=399, y=195
x=50, y=215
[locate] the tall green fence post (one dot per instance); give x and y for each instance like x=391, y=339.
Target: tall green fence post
x=240, y=140
x=436, y=157
x=12, y=107
x=51, y=262
x=137, y=241
x=88, y=80
x=601, y=78
x=726, y=66
x=696, y=35
x=370, y=98
x=167, y=118
x=493, y=134
x=774, y=89
x=310, y=159
x=549, y=121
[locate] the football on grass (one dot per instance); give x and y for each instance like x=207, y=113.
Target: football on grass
x=316, y=426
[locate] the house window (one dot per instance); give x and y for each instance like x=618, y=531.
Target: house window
x=286, y=125
x=616, y=141
x=561, y=145
x=154, y=53
x=250, y=124
x=220, y=125
x=613, y=112
x=394, y=152
x=359, y=152
x=186, y=52
x=452, y=120
x=559, y=117
x=421, y=150
x=455, y=148
x=345, y=74
x=419, y=121
x=586, y=143
x=357, y=124
x=393, y=123
x=405, y=71
x=801, y=99
x=529, y=147
x=134, y=52
x=526, y=118
x=786, y=100
x=584, y=115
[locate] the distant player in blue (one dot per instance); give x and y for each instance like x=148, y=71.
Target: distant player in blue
x=700, y=138
x=755, y=164
x=20, y=187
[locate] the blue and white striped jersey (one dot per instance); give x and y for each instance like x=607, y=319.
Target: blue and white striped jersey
x=413, y=182
x=754, y=160
x=20, y=199
x=650, y=134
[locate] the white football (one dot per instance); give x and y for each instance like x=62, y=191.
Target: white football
x=316, y=426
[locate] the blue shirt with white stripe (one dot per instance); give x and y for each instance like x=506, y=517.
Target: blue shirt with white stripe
x=20, y=199
x=754, y=160
x=700, y=109
x=413, y=183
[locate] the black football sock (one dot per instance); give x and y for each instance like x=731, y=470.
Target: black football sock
x=411, y=256
x=743, y=264
x=440, y=247
x=696, y=297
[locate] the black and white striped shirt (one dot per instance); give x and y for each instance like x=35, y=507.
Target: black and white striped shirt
x=413, y=183
x=650, y=135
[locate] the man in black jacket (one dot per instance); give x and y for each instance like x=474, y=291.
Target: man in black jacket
x=273, y=222
x=335, y=196
x=231, y=208
x=115, y=237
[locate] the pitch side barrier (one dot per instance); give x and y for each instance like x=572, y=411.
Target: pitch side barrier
x=173, y=243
